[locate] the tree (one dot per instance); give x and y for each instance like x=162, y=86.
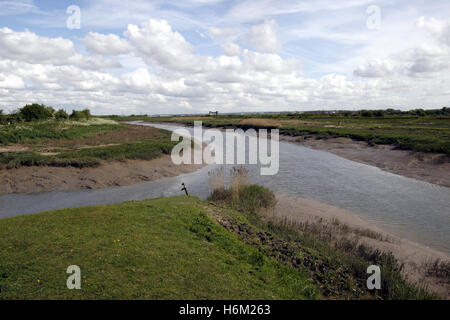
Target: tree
x=366, y=113
x=61, y=114
x=35, y=112
x=78, y=115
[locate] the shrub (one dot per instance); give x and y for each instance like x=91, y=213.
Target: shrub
x=35, y=112
x=83, y=114
x=61, y=114
x=248, y=198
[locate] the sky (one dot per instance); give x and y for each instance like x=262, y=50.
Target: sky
x=193, y=56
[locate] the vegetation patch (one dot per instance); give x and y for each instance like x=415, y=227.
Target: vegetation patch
x=167, y=248
x=338, y=267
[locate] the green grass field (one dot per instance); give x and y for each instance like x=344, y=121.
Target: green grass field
x=429, y=133
x=167, y=248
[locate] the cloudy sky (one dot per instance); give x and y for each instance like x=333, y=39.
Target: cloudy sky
x=191, y=56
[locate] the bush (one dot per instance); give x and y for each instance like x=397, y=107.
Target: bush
x=61, y=114
x=36, y=112
x=79, y=115
x=248, y=198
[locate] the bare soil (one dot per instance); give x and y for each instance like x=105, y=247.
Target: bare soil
x=117, y=173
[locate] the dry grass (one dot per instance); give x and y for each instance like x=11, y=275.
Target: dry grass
x=191, y=118
x=261, y=122
x=331, y=230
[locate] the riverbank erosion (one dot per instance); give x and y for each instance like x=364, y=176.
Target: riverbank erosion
x=182, y=248
x=117, y=173
x=70, y=155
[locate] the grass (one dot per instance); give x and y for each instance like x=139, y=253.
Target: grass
x=429, y=133
x=336, y=264
x=40, y=131
x=45, y=136
x=166, y=248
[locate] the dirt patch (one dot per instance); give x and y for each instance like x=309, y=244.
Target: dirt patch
x=14, y=148
x=117, y=173
x=429, y=167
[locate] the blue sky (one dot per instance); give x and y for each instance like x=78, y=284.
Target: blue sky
x=193, y=56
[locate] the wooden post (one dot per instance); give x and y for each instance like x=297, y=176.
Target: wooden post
x=184, y=188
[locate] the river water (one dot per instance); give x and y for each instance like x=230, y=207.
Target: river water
x=416, y=210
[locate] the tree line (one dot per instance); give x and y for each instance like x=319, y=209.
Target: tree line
x=39, y=112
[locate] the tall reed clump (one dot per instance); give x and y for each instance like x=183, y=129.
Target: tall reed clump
x=240, y=194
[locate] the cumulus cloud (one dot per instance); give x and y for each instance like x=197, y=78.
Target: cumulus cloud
x=28, y=47
x=430, y=56
x=263, y=37
x=166, y=73
x=107, y=44
x=159, y=45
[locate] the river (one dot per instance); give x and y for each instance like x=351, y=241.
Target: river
x=408, y=208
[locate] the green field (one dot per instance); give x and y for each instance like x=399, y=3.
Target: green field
x=77, y=143
x=166, y=248
x=426, y=132
x=180, y=248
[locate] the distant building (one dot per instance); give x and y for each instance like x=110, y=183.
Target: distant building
x=214, y=113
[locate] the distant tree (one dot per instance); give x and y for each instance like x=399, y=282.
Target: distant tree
x=50, y=110
x=378, y=113
x=35, y=112
x=419, y=112
x=86, y=113
x=366, y=113
x=78, y=115
x=61, y=114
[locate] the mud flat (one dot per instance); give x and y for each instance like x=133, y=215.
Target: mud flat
x=429, y=167
x=341, y=223
x=115, y=173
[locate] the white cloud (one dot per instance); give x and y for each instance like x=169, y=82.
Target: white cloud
x=263, y=37
x=222, y=32
x=159, y=45
x=16, y=7
x=231, y=49
x=28, y=47
x=11, y=81
x=107, y=44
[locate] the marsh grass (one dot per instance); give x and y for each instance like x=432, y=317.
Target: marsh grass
x=37, y=134
x=240, y=195
x=330, y=251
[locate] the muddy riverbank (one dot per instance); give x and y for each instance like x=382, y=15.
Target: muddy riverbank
x=115, y=173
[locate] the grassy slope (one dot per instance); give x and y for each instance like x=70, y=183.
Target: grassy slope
x=37, y=132
x=427, y=134
x=169, y=248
